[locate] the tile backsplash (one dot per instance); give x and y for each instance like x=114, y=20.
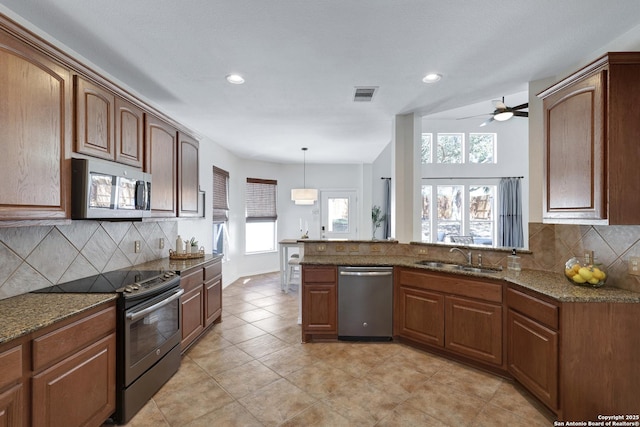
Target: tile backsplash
x=36, y=257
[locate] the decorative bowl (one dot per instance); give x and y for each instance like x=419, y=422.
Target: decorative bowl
x=583, y=274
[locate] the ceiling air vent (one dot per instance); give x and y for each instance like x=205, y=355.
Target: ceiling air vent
x=364, y=94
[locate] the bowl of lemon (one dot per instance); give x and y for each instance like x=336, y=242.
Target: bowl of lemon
x=584, y=274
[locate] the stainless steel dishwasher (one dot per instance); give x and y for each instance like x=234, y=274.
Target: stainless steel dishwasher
x=365, y=303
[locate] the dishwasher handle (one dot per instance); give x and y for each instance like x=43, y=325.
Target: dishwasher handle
x=366, y=273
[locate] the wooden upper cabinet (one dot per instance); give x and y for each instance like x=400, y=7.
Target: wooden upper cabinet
x=161, y=147
x=187, y=176
x=94, y=119
x=591, y=123
x=129, y=133
x=35, y=133
x=107, y=125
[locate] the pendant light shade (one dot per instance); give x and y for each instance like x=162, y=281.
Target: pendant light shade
x=304, y=196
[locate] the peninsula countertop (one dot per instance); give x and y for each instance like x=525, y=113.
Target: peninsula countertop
x=551, y=284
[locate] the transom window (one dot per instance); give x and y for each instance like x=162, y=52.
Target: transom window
x=450, y=148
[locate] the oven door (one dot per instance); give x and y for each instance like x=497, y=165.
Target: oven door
x=151, y=330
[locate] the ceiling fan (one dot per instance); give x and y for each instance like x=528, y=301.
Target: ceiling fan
x=503, y=112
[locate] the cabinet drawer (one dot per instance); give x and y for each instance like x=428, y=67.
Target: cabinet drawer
x=453, y=284
x=542, y=311
x=11, y=362
x=212, y=270
x=319, y=275
x=192, y=279
x=71, y=338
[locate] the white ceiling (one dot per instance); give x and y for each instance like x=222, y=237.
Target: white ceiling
x=302, y=59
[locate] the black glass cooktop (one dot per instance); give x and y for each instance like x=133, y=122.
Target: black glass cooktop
x=109, y=282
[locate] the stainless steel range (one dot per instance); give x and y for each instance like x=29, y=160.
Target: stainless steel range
x=148, y=331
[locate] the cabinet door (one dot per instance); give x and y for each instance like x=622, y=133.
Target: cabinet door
x=95, y=108
x=80, y=390
x=129, y=133
x=320, y=308
x=11, y=402
x=192, y=315
x=35, y=130
x=161, y=150
x=187, y=176
x=575, y=136
x=532, y=356
x=420, y=316
x=474, y=328
x=212, y=301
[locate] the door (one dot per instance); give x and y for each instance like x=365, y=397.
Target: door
x=339, y=209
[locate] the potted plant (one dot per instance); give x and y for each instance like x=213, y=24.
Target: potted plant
x=377, y=218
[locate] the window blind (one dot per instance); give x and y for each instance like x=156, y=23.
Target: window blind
x=220, y=195
x=261, y=200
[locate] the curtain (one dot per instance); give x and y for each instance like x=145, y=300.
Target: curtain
x=386, y=231
x=510, y=221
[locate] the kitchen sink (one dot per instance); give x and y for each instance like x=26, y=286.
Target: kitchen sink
x=458, y=267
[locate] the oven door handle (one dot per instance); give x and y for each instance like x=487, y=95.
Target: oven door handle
x=140, y=314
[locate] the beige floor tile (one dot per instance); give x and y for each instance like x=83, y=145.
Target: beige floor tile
x=188, y=374
x=288, y=360
x=513, y=398
x=254, y=315
x=222, y=360
x=212, y=341
x=148, y=416
x=250, y=296
x=291, y=334
x=494, y=416
x=189, y=403
x=236, y=307
x=231, y=415
x=319, y=379
x=272, y=323
x=318, y=415
x=468, y=380
x=246, y=378
x=449, y=406
x=266, y=301
x=241, y=333
x=277, y=402
x=282, y=309
x=407, y=416
x=261, y=346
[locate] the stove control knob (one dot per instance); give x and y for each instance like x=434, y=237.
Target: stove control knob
x=169, y=274
x=128, y=289
x=135, y=286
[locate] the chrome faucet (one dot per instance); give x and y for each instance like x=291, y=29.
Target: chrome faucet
x=466, y=255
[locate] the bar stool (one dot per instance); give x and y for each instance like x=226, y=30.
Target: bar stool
x=294, y=273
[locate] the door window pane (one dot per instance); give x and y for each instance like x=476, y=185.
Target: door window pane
x=449, y=210
x=338, y=214
x=481, y=214
x=426, y=213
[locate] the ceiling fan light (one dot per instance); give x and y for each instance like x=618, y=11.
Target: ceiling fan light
x=504, y=116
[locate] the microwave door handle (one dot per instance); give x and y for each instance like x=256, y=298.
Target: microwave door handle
x=140, y=314
x=140, y=195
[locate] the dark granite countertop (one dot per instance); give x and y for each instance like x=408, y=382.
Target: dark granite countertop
x=26, y=313
x=551, y=284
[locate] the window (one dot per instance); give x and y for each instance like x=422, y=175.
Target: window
x=220, y=210
x=426, y=148
x=450, y=148
x=261, y=215
x=482, y=147
x=463, y=213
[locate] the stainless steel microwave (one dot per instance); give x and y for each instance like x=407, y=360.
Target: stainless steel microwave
x=102, y=189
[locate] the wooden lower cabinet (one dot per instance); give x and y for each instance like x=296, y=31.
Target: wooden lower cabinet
x=202, y=300
x=474, y=328
x=11, y=406
x=533, y=357
x=420, y=316
x=78, y=391
x=319, y=302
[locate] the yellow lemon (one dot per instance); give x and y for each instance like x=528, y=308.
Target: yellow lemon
x=597, y=273
x=576, y=268
x=569, y=272
x=593, y=281
x=578, y=279
x=585, y=273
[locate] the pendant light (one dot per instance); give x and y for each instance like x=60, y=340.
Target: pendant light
x=304, y=196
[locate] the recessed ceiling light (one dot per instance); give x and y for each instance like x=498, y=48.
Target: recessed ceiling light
x=432, y=78
x=235, y=79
